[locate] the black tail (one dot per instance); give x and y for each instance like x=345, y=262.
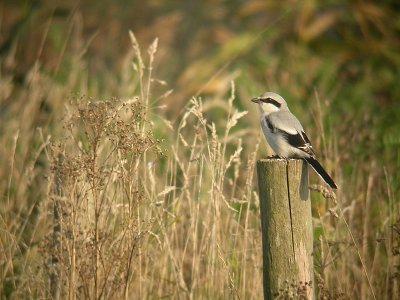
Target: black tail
x=321, y=172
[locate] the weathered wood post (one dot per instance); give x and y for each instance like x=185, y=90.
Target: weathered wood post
x=286, y=222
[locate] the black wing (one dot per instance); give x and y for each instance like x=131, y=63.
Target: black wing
x=299, y=140
x=307, y=147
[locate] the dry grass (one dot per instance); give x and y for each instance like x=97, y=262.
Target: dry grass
x=121, y=214
x=119, y=218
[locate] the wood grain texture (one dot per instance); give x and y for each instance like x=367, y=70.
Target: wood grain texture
x=286, y=225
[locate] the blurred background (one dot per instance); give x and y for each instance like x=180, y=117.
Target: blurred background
x=346, y=52
x=337, y=63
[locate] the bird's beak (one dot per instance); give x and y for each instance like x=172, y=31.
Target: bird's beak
x=255, y=100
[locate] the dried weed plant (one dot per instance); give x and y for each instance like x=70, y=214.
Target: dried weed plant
x=97, y=197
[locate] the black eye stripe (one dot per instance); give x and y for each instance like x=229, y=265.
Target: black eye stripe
x=271, y=101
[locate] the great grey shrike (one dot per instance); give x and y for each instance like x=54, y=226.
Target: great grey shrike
x=285, y=134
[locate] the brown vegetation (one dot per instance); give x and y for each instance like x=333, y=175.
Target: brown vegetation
x=137, y=191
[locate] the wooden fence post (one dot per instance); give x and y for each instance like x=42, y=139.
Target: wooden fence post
x=286, y=222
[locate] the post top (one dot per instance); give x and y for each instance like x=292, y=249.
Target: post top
x=277, y=159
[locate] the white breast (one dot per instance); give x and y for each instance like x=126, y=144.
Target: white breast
x=278, y=143
x=275, y=141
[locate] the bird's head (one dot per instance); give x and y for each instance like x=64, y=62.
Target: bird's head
x=270, y=102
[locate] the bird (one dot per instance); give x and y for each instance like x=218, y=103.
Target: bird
x=285, y=134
